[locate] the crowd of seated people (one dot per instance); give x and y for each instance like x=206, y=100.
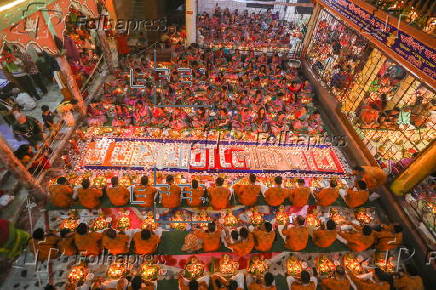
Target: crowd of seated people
x=236, y=29
x=245, y=92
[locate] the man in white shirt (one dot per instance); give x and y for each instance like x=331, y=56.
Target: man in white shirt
x=24, y=100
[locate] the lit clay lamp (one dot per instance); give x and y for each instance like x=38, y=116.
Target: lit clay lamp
x=77, y=274
x=352, y=264
x=71, y=222
x=148, y=222
x=258, y=266
x=256, y=218
x=313, y=221
x=363, y=216
x=227, y=266
x=116, y=270
x=325, y=266
x=281, y=216
x=383, y=262
x=178, y=217
x=100, y=223
x=149, y=271
x=123, y=222
x=194, y=269
x=294, y=267
x=230, y=220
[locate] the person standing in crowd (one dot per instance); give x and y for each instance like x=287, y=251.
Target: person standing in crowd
x=30, y=129
x=16, y=67
x=48, y=117
x=31, y=68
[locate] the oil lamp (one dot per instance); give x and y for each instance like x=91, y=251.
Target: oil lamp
x=337, y=217
x=352, y=264
x=99, y=223
x=194, y=269
x=71, y=222
x=116, y=270
x=77, y=274
x=258, y=266
x=363, y=216
x=294, y=267
x=325, y=266
x=149, y=271
x=178, y=217
x=230, y=220
x=281, y=216
x=123, y=222
x=256, y=217
x=312, y=221
x=227, y=266
x=148, y=222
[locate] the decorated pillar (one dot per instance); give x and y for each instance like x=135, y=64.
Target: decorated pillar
x=11, y=162
x=423, y=166
x=191, y=21
x=311, y=26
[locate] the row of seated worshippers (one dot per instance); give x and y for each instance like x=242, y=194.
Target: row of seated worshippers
x=62, y=194
x=241, y=241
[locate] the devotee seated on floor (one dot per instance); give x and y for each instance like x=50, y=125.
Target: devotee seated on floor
x=144, y=193
x=192, y=285
x=115, y=243
x=338, y=281
x=89, y=196
x=327, y=196
x=305, y=282
x=219, y=195
x=388, y=237
x=119, y=195
x=372, y=280
x=171, y=198
x=211, y=237
x=326, y=235
x=248, y=194
x=373, y=176
x=264, y=237
x=275, y=196
x=245, y=244
x=299, y=196
x=358, y=239
x=145, y=242
x=61, y=194
x=87, y=243
x=296, y=235
x=66, y=244
x=355, y=197
x=219, y=283
x=409, y=279
x=43, y=245
x=197, y=195
x=266, y=284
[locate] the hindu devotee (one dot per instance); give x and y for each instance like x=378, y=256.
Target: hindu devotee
x=206, y=144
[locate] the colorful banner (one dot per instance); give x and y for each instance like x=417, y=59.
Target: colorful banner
x=416, y=53
x=207, y=156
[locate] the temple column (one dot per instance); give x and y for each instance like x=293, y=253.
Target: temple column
x=423, y=166
x=191, y=21
x=11, y=162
